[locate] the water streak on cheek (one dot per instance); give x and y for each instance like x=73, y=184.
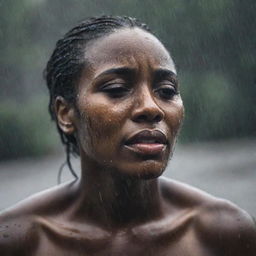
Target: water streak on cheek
x=85, y=132
x=102, y=126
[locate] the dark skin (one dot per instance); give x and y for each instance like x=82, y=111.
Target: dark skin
x=120, y=205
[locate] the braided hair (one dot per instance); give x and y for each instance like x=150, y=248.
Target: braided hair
x=67, y=61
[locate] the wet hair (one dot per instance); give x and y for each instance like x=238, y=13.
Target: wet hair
x=67, y=61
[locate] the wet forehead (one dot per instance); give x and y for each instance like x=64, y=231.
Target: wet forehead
x=133, y=47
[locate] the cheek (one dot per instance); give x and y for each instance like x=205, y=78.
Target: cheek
x=104, y=119
x=174, y=116
x=100, y=125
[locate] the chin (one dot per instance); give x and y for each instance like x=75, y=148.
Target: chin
x=145, y=170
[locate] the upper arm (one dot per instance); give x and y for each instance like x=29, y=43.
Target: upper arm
x=227, y=229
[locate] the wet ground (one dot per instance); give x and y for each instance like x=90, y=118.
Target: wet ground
x=225, y=169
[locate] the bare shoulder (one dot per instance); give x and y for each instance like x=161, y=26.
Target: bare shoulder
x=19, y=229
x=228, y=227
x=185, y=195
x=217, y=223
x=16, y=232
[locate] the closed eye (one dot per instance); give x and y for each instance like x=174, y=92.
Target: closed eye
x=166, y=92
x=115, y=90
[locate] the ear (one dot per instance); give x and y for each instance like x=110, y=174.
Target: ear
x=65, y=115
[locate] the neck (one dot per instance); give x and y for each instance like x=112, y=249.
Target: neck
x=114, y=200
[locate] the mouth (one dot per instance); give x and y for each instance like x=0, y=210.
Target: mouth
x=147, y=142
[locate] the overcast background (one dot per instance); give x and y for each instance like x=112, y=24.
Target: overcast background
x=214, y=46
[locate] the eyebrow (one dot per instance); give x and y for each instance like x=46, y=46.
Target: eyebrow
x=161, y=73
x=118, y=71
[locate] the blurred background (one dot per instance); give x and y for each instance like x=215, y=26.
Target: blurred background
x=214, y=46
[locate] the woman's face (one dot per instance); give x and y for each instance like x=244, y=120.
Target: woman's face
x=129, y=105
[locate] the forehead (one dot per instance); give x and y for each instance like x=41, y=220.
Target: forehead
x=128, y=47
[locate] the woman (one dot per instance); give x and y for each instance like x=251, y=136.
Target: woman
x=115, y=98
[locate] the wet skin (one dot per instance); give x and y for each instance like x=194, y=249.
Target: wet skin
x=123, y=91
x=127, y=117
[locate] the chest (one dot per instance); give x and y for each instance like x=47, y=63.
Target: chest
x=123, y=243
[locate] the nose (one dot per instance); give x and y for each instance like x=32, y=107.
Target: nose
x=146, y=109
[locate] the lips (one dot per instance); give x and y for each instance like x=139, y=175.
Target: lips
x=147, y=142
